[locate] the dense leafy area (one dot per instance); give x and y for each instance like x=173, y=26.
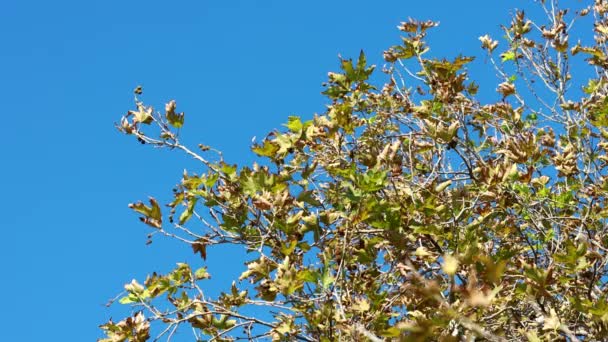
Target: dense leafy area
x=406, y=211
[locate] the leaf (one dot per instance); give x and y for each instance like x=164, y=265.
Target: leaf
x=372, y=180
x=592, y=86
x=347, y=66
x=211, y=180
x=532, y=337
x=134, y=287
x=308, y=276
x=142, y=114
x=201, y=273
x=507, y=56
x=361, y=62
x=391, y=332
x=335, y=92
x=361, y=305
x=327, y=279
x=450, y=265
x=229, y=323
x=506, y=89
x=285, y=142
x=267, y=149
x=309, y=198
x=294, y=124
x=288, y=248
x=151, y=214
x=442, y=186
x=200, y=246
x=308, y=170
x=175, y=119
x=552, y=321
x=187, y=213
x=488, y=43
x=422, y=252
x=128, y=299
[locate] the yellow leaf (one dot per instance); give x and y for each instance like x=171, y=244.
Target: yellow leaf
x=361, y=305
x=443, y=186
x=422, y=252
x=551, y=322
x=450, y=265
x=532, y=337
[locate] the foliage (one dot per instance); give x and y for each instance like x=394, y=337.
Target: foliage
x=409, y=211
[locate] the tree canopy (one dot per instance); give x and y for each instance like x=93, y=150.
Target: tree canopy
x=409, y=210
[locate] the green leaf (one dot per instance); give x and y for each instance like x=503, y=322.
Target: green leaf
x=347, y=66
x=327, y=279
x=229, y=170
x=592, y=86
x=201, y=273
x=286, y=142
x=391, y=332
x=211, y=180
x=442, y=186
x=294, y=124
x=249, y=185
x=361, y=63
x=308, y=197
x=152, y=214
x=336, y=92
x=288, y=248
x=507, y=56
x=187, y=213
x=268, y=149
x=175, y=119
x=308, y=170
x=131, y=298
x=308, y=276
x=372, y=181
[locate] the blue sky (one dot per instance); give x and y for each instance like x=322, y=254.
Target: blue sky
x=238, y=69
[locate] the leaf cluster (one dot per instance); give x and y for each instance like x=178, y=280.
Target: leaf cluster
x=407, y=211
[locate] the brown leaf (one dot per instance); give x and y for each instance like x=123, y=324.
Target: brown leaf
x=200, y=246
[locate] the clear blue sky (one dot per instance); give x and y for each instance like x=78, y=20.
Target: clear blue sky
x=238, y=69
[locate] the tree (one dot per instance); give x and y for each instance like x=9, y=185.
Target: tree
x=409, y=211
